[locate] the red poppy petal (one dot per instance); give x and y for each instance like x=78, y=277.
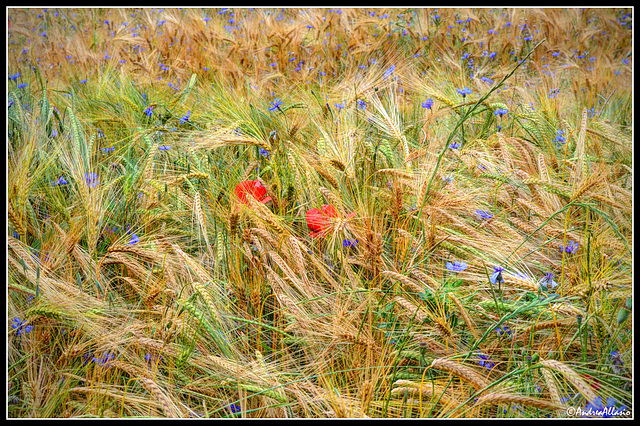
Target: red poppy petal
x=329, y=210
x=315, y=220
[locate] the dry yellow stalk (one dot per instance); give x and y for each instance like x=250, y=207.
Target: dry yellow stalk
x=580, y=152
x=467, y=319
x=197, y=206
x=424, y=278
x=504, y=398
x=333, y=199
x=145, y=254
x=465, y=373
x=551, y=384
x=580, y=384
x=419, y=315
x=170, y=410
x=521, y=282
x=522, y=225
x=404, y=280
x=266, y=236
x=286, y=269
x=298, y=259
x=586, y=186
x=425, y=390
x=266, y=215
x=202, y=291
x=538, y=210
x=247, y=172
x=15, y=220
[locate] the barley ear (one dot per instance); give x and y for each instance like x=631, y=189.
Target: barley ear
x=572, y=377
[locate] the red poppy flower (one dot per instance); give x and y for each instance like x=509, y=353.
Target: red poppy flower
x=318, y=220
x=253, y=187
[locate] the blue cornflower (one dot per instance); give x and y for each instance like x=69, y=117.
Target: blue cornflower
x=496, y=277
x=60, y=181
x=148, y=111
x=464, y=92
x=91, y=179
x=487, y=80
x=616, y=362
x=264, y=153
x=134, y=239
x=500, y=112
x=448, y=179
x=152, y=358
x=275, y=104
x=19, y=325
x=483, y=214
x=598, y=409
x=427, y=104
x=572, y=247
x=361, y=104
x=554, y=93
x=22, y=85
x=455, y=145
x=559, y=139
x=485, y=362
x=591, y=112
x=339, y=106
x=349, y=243
x=104, y=359
x=185, y=117
x=502, y=330
x=456, y=266
x=15, y=76
x=164, y=147
x=105, y=150
x=548, y=281
x=235, y=408
x=388, y=72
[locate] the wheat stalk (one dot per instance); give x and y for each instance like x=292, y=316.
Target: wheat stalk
x=170, y=410
x=413, y=310
x=465, y=315
x=505, y=398
x=581, y=167
x=404, y=280
x=582, y=386
x=465, y=373
x=197, y=205
x=551, y=384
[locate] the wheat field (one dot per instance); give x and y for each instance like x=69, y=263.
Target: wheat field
x=319, y=213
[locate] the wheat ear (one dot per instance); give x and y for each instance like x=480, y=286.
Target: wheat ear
x=572, y=376
x=505, y=398
x=169, y=408
x=465, y=373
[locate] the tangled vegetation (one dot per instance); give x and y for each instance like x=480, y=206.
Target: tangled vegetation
x=304, y=213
